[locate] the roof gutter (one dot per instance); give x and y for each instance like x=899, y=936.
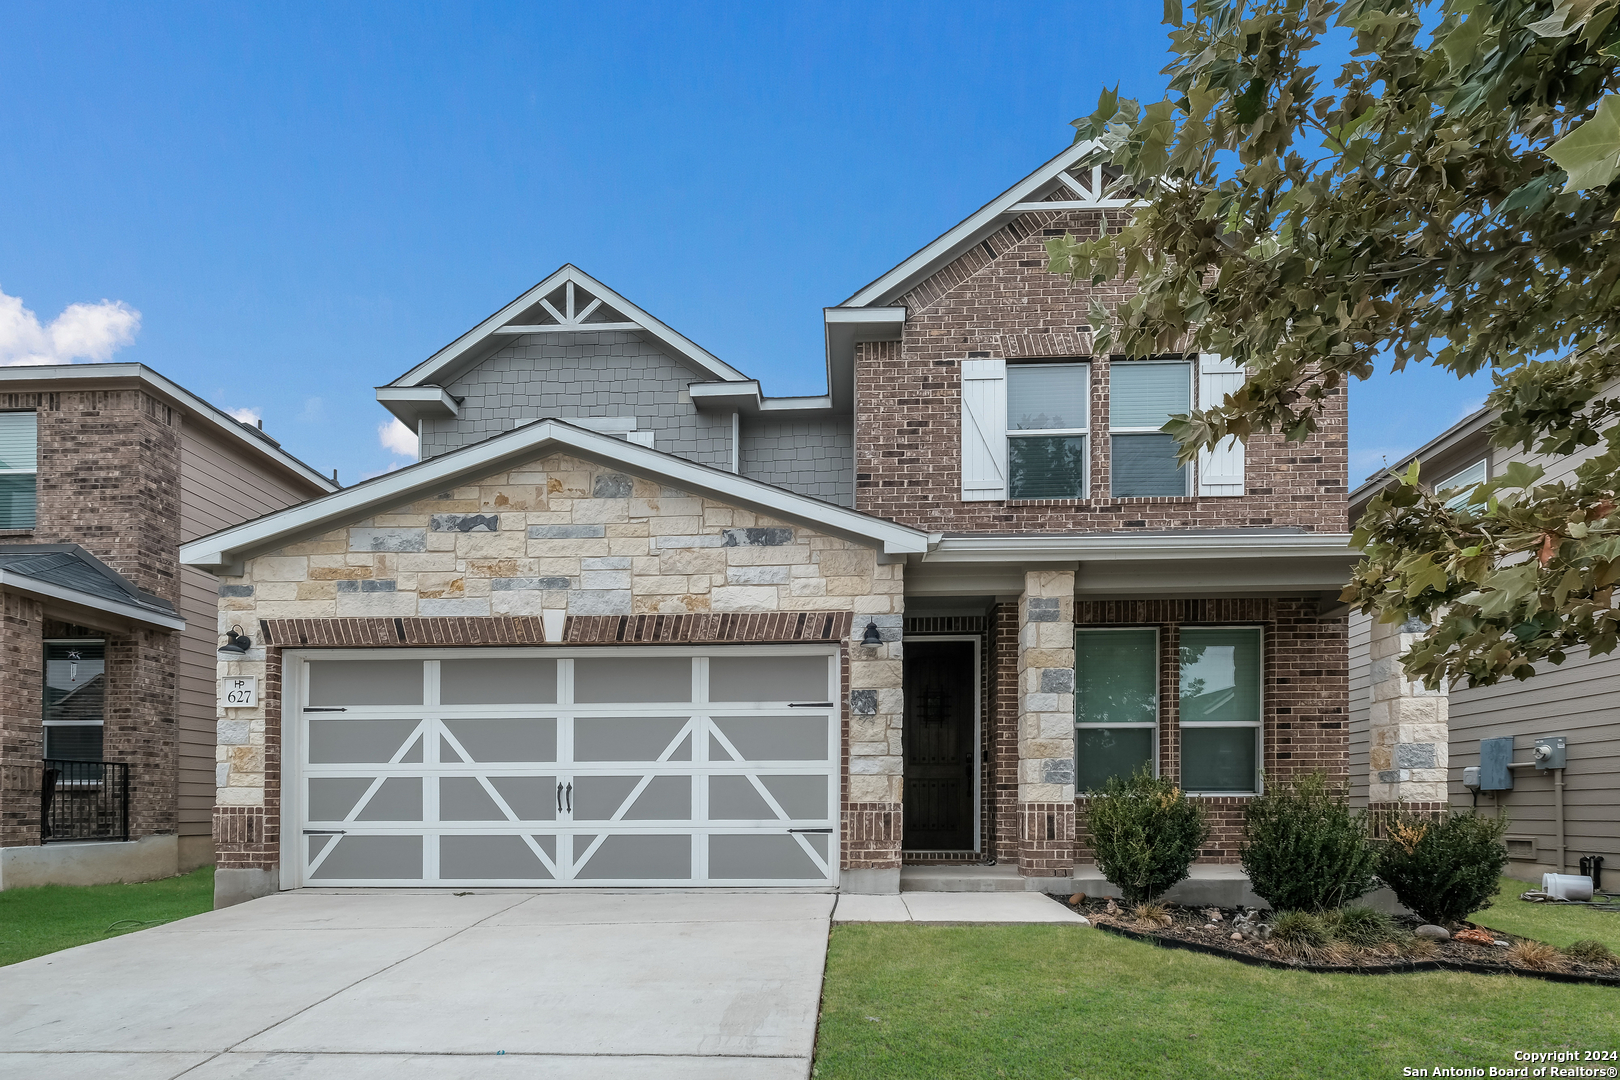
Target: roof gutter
x=44, y=590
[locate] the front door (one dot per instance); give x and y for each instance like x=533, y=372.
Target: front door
x=941, y=692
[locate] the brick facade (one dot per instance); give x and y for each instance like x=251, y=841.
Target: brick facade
x=109, y=481
x=908, y=407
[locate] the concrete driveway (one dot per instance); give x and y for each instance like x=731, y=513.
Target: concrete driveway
x=405, y=985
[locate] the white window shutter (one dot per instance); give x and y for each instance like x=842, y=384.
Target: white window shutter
x=984, y=430
x=1220, y=471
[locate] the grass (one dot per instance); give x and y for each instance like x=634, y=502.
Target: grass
x=1556, y=924
x=34, y=922
x=1056, y=1002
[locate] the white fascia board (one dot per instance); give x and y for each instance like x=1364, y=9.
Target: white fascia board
x=228, y=547
x=412, y=403
x=725, y=396
x=843, y=327
x=994, y=549
x=940, y=251
x=46, y=590
x=217, y=418
x=1076, y=204
x=447, y=357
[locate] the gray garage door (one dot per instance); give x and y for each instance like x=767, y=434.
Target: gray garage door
x=527, y=767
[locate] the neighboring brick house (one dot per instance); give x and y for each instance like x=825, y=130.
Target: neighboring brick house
x=630, y=620
x=1412, y=745
x=107, y=644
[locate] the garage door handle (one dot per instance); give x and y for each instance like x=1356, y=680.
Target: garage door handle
x=828, y=830
x=559, y=796
x=326, y=832
x=570, y=798
x=810, y=705
x=319, y=708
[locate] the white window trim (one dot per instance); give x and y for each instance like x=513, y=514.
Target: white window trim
x=1259, y=725
x=33, y=471
x=1081, y=432
x=102, y=723
x=1156, y=724
x=1189, y=481
x=1460, y=499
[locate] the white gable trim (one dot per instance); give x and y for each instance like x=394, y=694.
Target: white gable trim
x=992, y=215
x=224, y=551
x=499, y=326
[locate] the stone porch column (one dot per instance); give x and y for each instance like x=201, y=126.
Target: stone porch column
x=1046, y=724
x=1408, y=727
x=873, y=825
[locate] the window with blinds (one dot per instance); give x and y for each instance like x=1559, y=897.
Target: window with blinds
x=1142, y=395
x=1462, y=485
x=1116, y=703
x=1220, y=710
x=1047, y=424
x=19, y=468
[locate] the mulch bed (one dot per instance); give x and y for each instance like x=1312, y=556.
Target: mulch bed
x=1186, y=931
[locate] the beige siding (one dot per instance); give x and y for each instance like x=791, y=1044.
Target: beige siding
x=1360, y=698
x=220, y=485
x=1581, y=701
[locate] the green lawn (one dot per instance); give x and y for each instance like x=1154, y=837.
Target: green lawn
x=1057, y=1002
x=1556, y=924
x=34, y=922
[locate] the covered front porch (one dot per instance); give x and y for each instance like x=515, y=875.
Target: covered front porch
x=1034, y=668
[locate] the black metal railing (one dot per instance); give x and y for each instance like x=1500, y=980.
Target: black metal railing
x=84, y=800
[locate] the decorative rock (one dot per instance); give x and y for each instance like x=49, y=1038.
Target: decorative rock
x=1237, y=937
x=1502, y=944
x=1432, y=932
x=1210, y=927
x=1077, y=898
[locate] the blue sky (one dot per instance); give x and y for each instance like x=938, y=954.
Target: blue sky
x=303, y=201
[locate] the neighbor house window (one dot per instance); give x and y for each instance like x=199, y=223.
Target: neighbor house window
x=1116, y=703
x=1466, y=481
x=1220, y=710
x=1142, y=395
x=75, y=692
x=1046, y=431
x=19, y=468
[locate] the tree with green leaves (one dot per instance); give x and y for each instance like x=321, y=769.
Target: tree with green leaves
x=1449, y=199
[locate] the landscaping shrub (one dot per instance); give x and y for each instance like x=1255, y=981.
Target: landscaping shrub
x=1145, y=832
x=1443, y=867
x=1304, y=849
x=1536, y=955
x=1590, y=952
x=1360, y=926
x=1302, y=929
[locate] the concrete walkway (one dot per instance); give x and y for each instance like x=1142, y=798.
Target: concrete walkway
x=406, y=985
x=956, y=909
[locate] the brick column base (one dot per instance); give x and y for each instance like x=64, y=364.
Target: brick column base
x=22, y=684
x=1046, y=839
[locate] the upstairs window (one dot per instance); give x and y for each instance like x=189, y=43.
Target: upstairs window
x=1142, y=395
x=1463, y=484
x=19, y=468
x=1047, y=412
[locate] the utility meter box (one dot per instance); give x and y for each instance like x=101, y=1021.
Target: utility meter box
x=1549, y=752
x=1471, y=778
x=1494, y=756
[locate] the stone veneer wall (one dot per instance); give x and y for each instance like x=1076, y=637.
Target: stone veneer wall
x=626, y=559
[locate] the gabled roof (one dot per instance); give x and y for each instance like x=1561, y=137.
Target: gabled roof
x=1089, y=190
x=223, y=551
x=217, y=420
x=569, y=301
x=68, y=573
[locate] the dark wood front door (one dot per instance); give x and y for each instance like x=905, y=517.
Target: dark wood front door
x=941, y=686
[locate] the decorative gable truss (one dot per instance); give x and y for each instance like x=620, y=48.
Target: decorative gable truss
x=569, y=308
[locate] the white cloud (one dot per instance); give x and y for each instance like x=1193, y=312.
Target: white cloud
x=82, y=332
x=314, y=409
x=397, y=438
x=249, y=416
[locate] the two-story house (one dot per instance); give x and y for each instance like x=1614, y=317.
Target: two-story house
x=632, y=621
x=107, y=643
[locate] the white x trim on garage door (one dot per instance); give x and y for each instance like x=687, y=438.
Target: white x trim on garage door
x=519, y=767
